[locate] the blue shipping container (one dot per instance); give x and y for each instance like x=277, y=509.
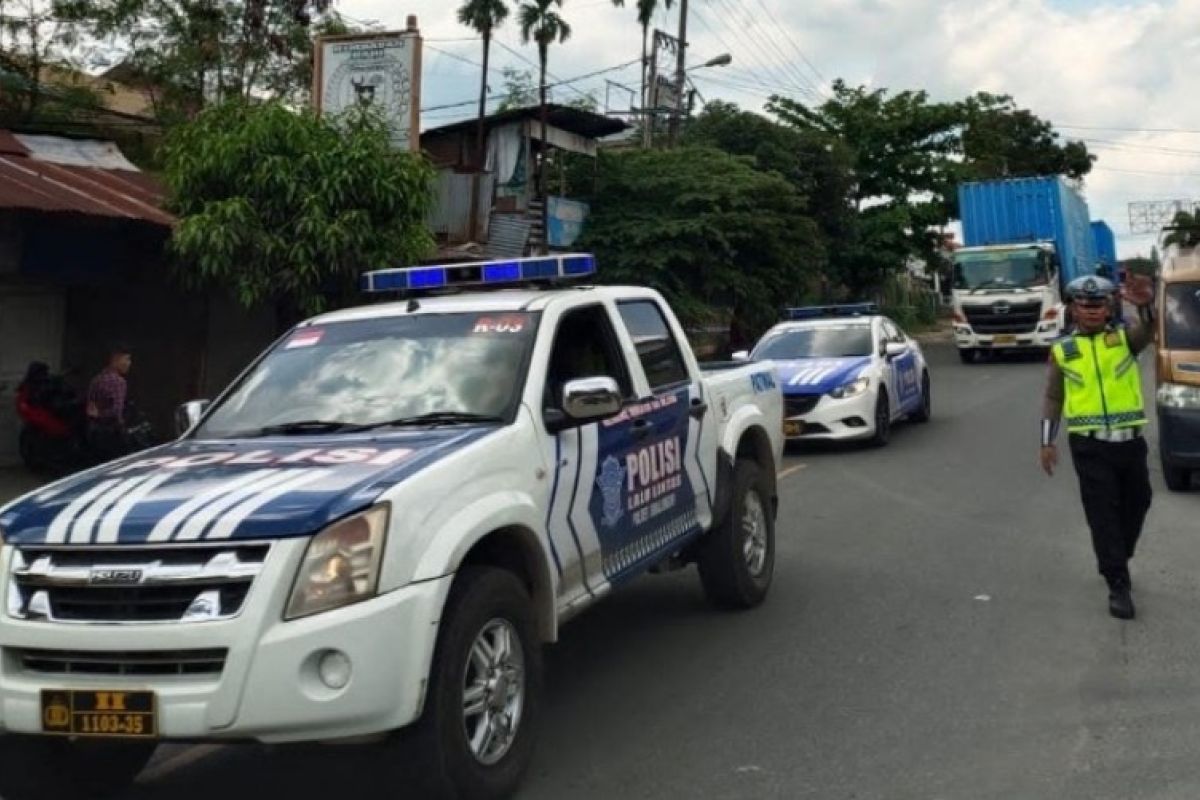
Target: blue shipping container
x=1017, y=210
x=1106, y=245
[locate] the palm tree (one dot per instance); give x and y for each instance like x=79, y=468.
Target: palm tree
x=540, y=23
x=646, y=9
x=1185, y=231
x=483, y=16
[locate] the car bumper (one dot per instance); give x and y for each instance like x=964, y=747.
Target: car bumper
x=1044, y=336
x=269, y=688
x=837, y=420
x=1179, y=436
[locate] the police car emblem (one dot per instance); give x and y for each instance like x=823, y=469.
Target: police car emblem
x=610, y=481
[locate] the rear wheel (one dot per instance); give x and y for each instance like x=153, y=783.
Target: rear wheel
x=52, y=768
x=476, y=736
x=1178, y=479
x=883, y=421
x=737, y=558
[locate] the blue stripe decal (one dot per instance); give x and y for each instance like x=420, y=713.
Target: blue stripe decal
x=571, y=510
x=553, y=500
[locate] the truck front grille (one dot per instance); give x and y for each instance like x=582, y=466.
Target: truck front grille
x=133, y=584
x=132, y=662
x=1003, y=317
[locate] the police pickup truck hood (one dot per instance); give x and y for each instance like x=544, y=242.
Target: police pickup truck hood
x=819, y=375
x=246, y=489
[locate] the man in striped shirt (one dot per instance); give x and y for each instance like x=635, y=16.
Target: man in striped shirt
x=106, y=398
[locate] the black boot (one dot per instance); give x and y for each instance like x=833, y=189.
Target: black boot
x=1120, y=601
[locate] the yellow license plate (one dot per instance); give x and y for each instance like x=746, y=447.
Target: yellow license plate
x=1005, y=338
x=99, y=713
x=793, y=427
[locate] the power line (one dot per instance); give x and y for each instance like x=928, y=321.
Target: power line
x=1148, y=172
x=537, y=66
x=1148, y=148
x=753, y=47
x=725, y=44
x=769, y=36
x=787, y=35
x=567, y=82
x=1127, y=130
x=465, y=60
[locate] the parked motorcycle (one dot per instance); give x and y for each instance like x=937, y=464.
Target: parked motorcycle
x=53, y=438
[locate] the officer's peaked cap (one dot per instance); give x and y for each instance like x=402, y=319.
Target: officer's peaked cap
x=1091, y=287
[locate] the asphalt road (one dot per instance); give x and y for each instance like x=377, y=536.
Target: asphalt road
x=936, y=630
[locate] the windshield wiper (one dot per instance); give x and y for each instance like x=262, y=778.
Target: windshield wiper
x=434, y=418
x=304, y=427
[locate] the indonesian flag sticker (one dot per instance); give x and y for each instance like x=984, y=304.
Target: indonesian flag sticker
x=305, y=338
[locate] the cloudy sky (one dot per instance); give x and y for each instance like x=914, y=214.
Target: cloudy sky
x=1119, y=74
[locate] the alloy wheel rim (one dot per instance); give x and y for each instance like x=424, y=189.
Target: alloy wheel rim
x=754, y=528
x=493, y=691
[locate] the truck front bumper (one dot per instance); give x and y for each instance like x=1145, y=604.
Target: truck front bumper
x=1043, y=336
x=1179, y=437
x=270, y=687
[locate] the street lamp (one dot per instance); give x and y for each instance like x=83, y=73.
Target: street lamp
x=723, y=60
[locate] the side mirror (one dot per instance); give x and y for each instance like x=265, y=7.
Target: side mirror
x=895, y=350
x=188, y=415
x=741, y=355
x=591, y=399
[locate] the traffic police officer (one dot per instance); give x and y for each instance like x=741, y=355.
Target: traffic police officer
x=1094, y=377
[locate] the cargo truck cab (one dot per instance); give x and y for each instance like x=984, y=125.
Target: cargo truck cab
x=1178, y=368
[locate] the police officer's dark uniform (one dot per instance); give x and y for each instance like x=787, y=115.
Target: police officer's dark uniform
x=1094, y=379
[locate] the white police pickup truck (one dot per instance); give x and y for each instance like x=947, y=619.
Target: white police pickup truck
x=375, y=528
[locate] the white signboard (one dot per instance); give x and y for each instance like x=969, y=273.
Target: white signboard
x=376, y=69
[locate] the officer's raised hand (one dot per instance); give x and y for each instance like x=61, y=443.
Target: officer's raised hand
x=1138, y=290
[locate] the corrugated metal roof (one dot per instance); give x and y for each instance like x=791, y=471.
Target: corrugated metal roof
x=29, y=183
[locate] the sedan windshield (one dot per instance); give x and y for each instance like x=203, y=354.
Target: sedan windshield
x=824, y=342
x=421, y=369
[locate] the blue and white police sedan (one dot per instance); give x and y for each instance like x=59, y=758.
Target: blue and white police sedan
x=847, y=372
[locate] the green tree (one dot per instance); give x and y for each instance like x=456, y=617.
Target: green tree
x=1000, y=140
x=290, y=207
x=705, y=228
x=194, y=53
x=1184, y=231
x=646, y=9
x=541, y=24
x=520, y=91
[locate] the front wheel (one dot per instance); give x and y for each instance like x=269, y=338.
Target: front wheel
x=925, y=412
x=1178, y=479
x=883, y=421
x=476, y=736
x=737, y=558
x=52, y=768
x=966, y=355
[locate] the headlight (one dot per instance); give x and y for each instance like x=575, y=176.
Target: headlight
x=852, y=389
x=1178, y=395
x=341, y=565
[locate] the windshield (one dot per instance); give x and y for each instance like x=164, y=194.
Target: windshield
x=1001, y=270
x=372, y=372
x=825, y=342
x=1182, y=321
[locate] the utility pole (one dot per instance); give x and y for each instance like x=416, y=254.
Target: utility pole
x=680, y=71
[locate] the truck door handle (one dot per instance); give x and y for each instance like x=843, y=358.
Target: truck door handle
x=699, y=408
x=642, y=428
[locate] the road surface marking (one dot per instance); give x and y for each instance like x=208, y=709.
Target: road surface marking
x=792, y=471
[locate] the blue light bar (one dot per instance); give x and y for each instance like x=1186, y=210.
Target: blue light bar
x=819, y=312
x=485, y=274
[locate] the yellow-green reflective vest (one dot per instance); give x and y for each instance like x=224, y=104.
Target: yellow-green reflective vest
x=1103, y=386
